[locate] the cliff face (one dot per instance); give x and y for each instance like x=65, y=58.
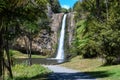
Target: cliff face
x=55, y=27
x=70, y=28
x=44, y=42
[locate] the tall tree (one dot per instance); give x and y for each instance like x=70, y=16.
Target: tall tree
x=7, y=10
x=17, y=11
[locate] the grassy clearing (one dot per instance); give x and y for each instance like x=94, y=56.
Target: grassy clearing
x=18, y=54
x=95, y=68
x=83, y=64
x=25, y=72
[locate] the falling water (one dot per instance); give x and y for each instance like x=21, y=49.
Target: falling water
x=60, y=52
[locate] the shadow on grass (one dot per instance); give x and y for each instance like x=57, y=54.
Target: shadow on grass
x=37, y=77
x=99, y=74
x=80, y=75
x=67, y=76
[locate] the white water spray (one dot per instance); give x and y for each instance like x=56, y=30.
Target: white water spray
x=60, y=52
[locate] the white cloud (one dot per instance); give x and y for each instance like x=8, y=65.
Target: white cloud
x=65, y=6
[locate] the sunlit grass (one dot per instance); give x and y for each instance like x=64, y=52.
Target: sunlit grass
x=83, y=64
x=25, y=72
x=95, y=68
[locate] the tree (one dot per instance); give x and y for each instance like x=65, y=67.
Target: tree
x=102, y=31
x=7, y=10
x=55, y=6
x=30, y=26
x=64, y=10
x=16, y=12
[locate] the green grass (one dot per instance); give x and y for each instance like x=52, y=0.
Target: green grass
x=18, y=54
x=95, y=68
x=108, y=72
x=25, y=72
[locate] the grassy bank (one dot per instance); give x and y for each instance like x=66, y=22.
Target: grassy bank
x=95, y=68
x=25, y=72
x=22, y=71
x=18, y=54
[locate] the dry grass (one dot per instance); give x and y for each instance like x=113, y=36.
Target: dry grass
x=95, y=68
x=83, y=64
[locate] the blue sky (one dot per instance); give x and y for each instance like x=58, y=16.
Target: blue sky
x=67, y=3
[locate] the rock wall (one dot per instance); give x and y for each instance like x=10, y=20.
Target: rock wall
x=44, y=43
x=55, y=27
x=69, y=36
x=70, y=27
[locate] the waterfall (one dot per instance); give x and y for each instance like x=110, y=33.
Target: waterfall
x=60, y=52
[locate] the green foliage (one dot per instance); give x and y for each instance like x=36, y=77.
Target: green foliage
x=11, y=52
x=84, y=45
x=78, y=9
x=64, y=10
x=101, y=34
x=19, y=17
x=55, y=6
x=25, y=72
x=31, y=27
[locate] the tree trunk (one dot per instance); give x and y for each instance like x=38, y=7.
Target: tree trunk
x=8, y=65
x=29, y=50
x=26, y=46
x=8, y=57
x=106, y=1
x=1, y=54
x=30, y=60
x=98, y=8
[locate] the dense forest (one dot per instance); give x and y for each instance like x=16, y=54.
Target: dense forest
x=97, y=31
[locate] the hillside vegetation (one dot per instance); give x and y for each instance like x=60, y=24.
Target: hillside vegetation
x=98, y=29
